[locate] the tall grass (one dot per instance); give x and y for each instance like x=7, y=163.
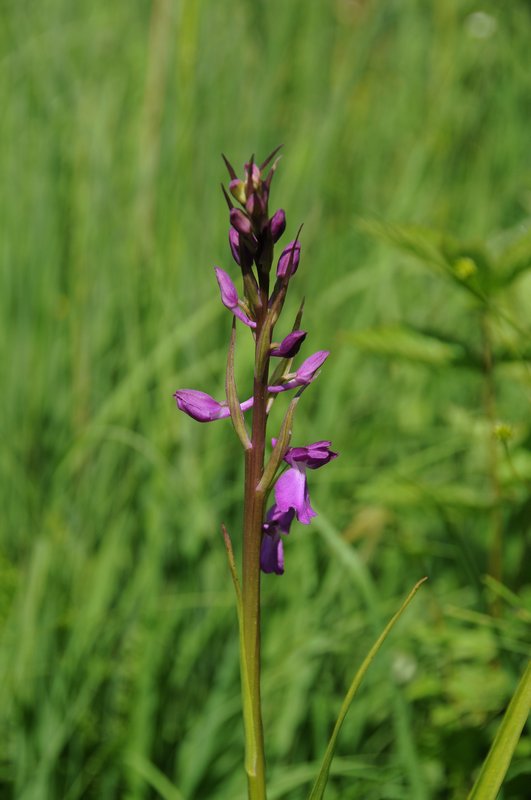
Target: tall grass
x=118, y=649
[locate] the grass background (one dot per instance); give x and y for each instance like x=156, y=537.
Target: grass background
x=118, y=650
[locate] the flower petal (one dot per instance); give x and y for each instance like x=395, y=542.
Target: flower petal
x=305, y=373
x=229, y=297
x=204, y=408
x=272, y=554
x=291, y=492
x=289, y=259
x=313, y=456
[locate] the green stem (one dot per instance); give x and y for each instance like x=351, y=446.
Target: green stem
x=254, y=506
x=489, y=403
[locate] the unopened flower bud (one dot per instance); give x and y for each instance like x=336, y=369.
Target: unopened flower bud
x=289, y=346
x=289, y=260
x=256, y=175
x=278, y=224
x=234, y=241
x=237, y=190
x=239, y=221
x=255, y=206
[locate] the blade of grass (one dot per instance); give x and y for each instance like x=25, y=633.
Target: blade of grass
x=319, y=787
x=495, y=766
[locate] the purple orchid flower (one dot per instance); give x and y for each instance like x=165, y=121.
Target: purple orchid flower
x=291, y=253
x=291, y=489
x=229, y=297
x=289, y=346
x=305, y=374
x=202, y=407
x=272, y=550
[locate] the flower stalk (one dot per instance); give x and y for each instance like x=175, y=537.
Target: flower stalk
x=252, y=238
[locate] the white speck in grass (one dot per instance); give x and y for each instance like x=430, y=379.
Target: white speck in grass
x=480, y=25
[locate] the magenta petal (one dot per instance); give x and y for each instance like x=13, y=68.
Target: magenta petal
x=204, y=408
x=309, y=367
x=305, y=373
x=229, y=297
x=272, y=554
x=291, y=492
x=200, y=406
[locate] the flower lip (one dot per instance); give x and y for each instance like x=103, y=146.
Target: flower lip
x=291, y=494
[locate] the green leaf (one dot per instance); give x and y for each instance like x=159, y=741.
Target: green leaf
x=514, y=257
x=154, y=777
x=398, y=341
x=466, y=265
x=497, y=762
x=280, y=448
x=319, y=787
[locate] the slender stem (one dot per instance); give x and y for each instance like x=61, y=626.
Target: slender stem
x=489, y=403
x=254, y=505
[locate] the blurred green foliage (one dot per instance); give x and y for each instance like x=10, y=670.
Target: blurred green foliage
x=119, y=648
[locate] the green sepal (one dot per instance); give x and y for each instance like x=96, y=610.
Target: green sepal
x=319, y=786
x=236, y=414
x=280, y=448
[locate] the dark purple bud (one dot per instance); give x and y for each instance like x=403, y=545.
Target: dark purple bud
x=272, y=550
x=289, y=346
x=239, y=221
x=234, y=241
x=203, y=407
x=278, y=521
x=272, y=554
x=278, y=224
x=255, y=205
x=289, y=260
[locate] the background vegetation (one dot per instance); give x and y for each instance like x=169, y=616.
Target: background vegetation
x=118, y=648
